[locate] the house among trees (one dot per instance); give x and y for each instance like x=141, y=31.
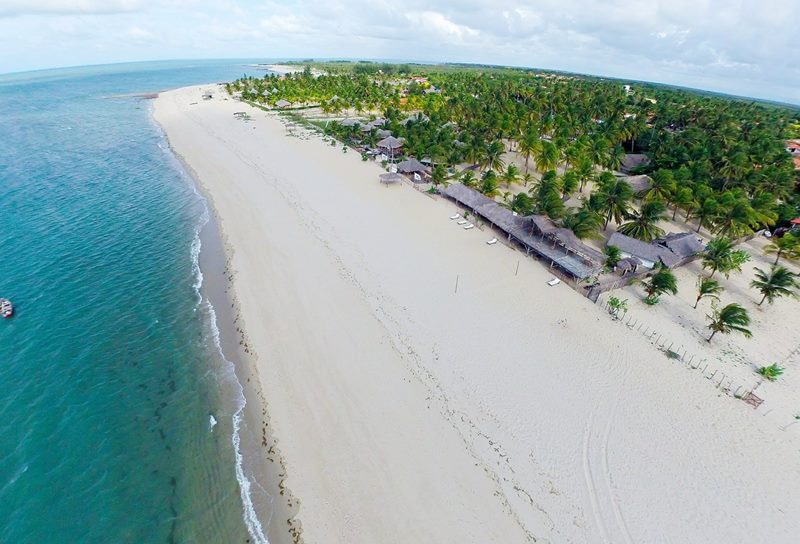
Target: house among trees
x=390, y=145
x=673, y=250
x=632, y=161
x=282, y=104
x=639, y=184
x=412, y=166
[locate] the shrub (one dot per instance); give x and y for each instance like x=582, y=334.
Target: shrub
x=615, y=305
x=771, y=372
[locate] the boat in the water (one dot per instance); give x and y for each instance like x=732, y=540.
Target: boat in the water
x=6, y=308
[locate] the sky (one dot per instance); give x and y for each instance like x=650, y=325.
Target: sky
x=741, y=47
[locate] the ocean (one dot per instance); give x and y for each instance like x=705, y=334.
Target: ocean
x=111, y=379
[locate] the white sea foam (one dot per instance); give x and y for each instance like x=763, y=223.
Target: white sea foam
x=249, y=514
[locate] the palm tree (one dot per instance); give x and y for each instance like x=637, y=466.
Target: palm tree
x=613, y=255
x=547, y=194
x=662, y=282
x=439, y=175
x=728, y=319
x=682, y=198
x=662, y=186
x=707, y=288
x=569, y=183
x=584, y=169
x=526, y=179
x=468, y=178
x=529, y=145
x=735, y=216
x=644, y=225
x=705, y=212
x=788, y=245
x=489, y=184
x=614, y=197
x=493, y=158
x=778, y=282
x=547, y=157
x=720, y=255
x=584, y=223
x=511, y=175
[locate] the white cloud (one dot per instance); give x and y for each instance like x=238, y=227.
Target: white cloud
x=736, y=46
x=10, y=8
x=139, y=34
x=441, y=26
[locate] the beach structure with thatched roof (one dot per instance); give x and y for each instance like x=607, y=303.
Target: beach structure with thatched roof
x=390, y=146
x=411, y=166
x=390, y=177
x=535, y=233
x=390, y=143
x=674, y=249
x=282, y=103
x=627, y=265
x=685, y=245
x=632, y=161
x=639, y=184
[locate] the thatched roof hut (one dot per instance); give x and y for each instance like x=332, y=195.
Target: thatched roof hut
x=561, y=250
x=390, y=143
x=683, y=244
x=648, y=254
x=411, y=166
x=639, y=184
x=631, y=161
x=282, y=103
x=390, y=177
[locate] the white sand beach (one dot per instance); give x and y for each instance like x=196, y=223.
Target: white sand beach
x=504, y=411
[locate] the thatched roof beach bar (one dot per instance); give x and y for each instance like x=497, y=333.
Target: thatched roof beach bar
x=390, y=177
x=390, y=143
x=411, y=166
x=535, y=233
x=674, y=249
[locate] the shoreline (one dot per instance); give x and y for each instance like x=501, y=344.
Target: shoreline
x=393, y=394
x=254, y=430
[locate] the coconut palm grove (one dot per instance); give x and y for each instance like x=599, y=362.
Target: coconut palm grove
x=592, y=155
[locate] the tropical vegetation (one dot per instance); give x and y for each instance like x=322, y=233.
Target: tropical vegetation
x=774, y=283
x=707, y=288
x=660, y=283
x=720, y=161
x=721, y=256
x=730, y=318
x=771, y=372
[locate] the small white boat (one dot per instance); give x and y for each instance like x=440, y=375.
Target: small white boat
x=463, y=222
x=6, y=308
x=456, y=216
x=553, y=282
x=469, y=226
x=492, y=242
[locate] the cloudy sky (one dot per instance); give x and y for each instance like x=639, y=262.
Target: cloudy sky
x=735, y=46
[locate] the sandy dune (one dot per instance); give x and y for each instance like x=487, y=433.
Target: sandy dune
x=503, y=412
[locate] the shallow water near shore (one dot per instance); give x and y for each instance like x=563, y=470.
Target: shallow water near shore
x=111, y=377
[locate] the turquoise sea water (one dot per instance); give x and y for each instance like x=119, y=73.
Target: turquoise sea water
x=109, y=372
